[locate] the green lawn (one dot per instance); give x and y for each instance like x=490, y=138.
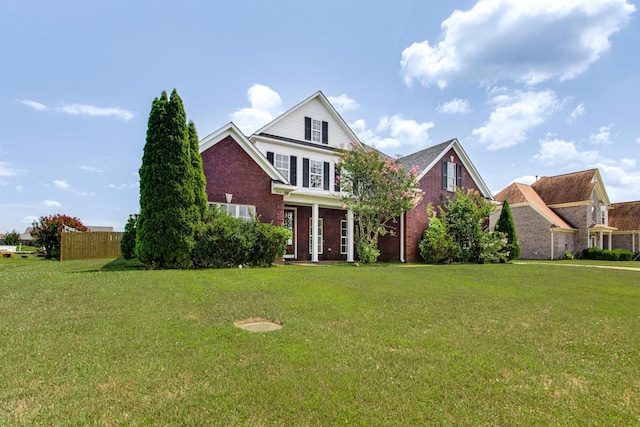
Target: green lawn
x=97, y=343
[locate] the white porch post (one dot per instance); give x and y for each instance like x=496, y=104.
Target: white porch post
x=349, y=235
x=552, y=245
x=402, y=237
x=609, y=247
x=601, y=241
x=314, y=232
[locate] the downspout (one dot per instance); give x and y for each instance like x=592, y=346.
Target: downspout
x=552, y=245
x=402, y=237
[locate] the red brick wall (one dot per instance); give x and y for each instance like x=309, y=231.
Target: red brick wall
x=229, y=169
x=416, y=220
x=331, y=219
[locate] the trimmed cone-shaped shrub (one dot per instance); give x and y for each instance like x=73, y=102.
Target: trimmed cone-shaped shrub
x=128, y=241
x=505, y=225
x=168, y=214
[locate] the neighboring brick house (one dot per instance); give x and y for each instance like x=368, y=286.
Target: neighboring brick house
x=625, y=217
x=285, y=174
x=560, y=213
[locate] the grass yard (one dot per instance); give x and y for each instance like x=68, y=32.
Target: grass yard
x=103, y=343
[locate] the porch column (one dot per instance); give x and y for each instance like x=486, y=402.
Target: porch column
x=609, y=247
x=601, y=240
x=315, y=211
x=350, y=236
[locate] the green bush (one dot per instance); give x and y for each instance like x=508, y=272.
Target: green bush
x=368, y=252
x=224, y=241
x=623, y=254
x=128, y=241
x=437, y=246
x=12, y=238
x=607, y=255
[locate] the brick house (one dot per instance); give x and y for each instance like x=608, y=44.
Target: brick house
x=285, y=174
x=625, y=217
x=568, y=212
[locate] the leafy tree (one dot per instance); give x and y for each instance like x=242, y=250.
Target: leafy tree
x=466, y=215
x=505, y=225
x=12, y=238
x=437, y=245
x=378, y=190
x=46, y=233
x=128, y=242
x=169, y=216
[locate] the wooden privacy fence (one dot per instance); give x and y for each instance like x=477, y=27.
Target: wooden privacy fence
x=90, y=244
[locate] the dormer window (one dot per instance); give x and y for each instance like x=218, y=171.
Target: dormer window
x=316, y=130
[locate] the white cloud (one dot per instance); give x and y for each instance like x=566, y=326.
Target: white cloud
x=527, y=41
x=51, y=204
x=33, y=104
x=90, y=110
x=513, y=116
x=558, y=151
x=638, y=140
x=81, y=110
x=577, y=112
x=343, y=103
x=265, y=104
x=61, y=184
x=7, y=170
x=402, y=134
x=91, y=169
x=526, y=179
x=603, y=137
x=455, y=106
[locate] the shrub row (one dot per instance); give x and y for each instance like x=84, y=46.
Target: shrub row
x=224, y=241
x=607, y=255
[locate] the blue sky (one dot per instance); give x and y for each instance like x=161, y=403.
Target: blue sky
x=540, y=87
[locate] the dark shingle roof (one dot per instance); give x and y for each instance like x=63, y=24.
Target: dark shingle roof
x=625, y=216
x=424, y=157
x=567, y=188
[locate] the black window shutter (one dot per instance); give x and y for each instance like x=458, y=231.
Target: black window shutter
x=459, y=175
x=325, y=177
x=325, y=132
x=444, y=174
x=307, y=128
x=293, y=170
x=305, y=172
x=270, y=156
x=336, y=186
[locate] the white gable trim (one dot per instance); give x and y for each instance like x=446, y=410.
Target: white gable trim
x=325, y=102
x=484, y=189
x=232, y=130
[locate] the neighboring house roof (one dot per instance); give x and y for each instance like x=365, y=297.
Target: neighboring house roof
x=429, y=157
x=265, y=130
x=625, y=216
x=103, y=228
x=524, y=195
x=571, y=188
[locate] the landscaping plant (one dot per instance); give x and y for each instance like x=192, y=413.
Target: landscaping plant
x=47, y=230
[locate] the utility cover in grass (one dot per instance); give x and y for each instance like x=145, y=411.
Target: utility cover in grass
x=258, y=325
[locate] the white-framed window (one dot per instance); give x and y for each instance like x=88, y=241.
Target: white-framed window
x=451, y=175
x=246, y=212
x=320, y=245
x=316, y=130
x=344, y=237
x=316, y=170
x=281, y=162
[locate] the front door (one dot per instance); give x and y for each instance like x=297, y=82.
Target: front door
x=290, y=224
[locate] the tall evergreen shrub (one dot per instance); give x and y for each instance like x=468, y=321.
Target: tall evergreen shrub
x=505, y=225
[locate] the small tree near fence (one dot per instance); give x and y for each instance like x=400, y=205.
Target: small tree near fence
x=47, y=230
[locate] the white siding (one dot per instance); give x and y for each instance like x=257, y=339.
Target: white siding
x=292, y=125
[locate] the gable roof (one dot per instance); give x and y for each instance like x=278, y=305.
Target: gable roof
x=230, y=129
x=625, y=216
x=524, y=195
x=571, y=187
x=429, y=157
x=325, y=103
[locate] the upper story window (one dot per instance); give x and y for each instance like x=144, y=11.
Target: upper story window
x=451, y=175
x=315, y=174
x=603, y=215
x=282, y=164
x=316, y=130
